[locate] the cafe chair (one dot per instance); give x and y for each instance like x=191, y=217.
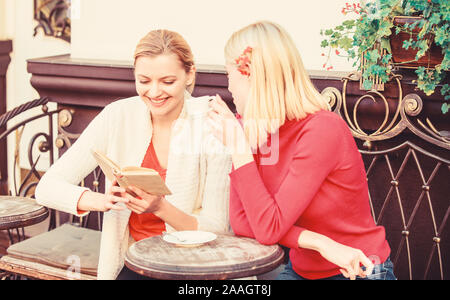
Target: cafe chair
x=69, y=251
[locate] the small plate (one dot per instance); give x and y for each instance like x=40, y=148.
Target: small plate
x=189, y=238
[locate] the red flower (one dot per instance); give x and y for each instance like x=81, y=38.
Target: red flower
x=243, y=62
x=248, y=50
x=337, y=52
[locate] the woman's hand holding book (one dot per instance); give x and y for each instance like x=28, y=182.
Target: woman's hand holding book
x=92, y=201
x=142, y=202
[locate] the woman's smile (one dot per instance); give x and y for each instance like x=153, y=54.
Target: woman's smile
x=158, y=102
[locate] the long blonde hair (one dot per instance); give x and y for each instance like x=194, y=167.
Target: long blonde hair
x=280, y=88
x=163, y=41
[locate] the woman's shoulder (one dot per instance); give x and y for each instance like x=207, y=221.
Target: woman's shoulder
x=321, y=120
x=330, y=126
x=128, y=103
x=322, y=127
x=325, y=118
x=127, y=108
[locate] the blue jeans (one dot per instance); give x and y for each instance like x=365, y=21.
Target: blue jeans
x=384, y=271
x=127, y=274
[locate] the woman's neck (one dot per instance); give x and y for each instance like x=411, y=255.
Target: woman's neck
x=166, y=121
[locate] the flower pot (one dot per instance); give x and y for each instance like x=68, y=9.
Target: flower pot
x=405, y=57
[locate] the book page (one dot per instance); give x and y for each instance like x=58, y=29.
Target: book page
x=150, y=183
x=145, y=179
x=138, y=170
x=109, y=168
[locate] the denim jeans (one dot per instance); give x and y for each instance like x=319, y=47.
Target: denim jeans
x=384, y=271
x=127, y=274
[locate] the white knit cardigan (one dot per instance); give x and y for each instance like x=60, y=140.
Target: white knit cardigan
x=197, y=172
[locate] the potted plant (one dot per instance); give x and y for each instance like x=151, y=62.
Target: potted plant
x=389, y=34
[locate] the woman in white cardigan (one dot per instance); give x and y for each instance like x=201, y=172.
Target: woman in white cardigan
x=165, y=119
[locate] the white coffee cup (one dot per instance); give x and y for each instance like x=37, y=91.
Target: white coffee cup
x=199, y=105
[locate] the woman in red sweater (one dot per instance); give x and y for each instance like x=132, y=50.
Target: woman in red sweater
x=298, y=178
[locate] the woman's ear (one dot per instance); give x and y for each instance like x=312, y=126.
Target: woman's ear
x=191, y=76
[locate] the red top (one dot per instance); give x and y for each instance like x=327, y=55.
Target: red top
x=147, y=225
x=318, y=183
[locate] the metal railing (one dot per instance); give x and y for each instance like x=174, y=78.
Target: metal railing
x=408, y=170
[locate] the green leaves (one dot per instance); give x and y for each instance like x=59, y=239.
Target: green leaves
x=386, y=59
x=367, y=85
x=420, y=71
x=349, y=24
x=445, y=108
x=407, y=44
x=372, y=56
x=423, y=48
x=345, y=43
x=445, y=91
x=374, y=25
x=435, y=19
x=428, y=79
x=386, y=44
x=441, y=35
x=385, y=28
x=329, y=32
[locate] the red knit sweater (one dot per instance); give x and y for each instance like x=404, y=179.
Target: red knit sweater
x=147, y=225
x=318, y=183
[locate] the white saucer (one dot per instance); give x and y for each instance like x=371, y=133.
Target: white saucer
x=189, y=238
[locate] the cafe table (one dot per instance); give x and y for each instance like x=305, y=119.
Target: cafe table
x=225, y=257
x=19, y=212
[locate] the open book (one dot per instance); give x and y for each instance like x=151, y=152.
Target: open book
x=145, y=179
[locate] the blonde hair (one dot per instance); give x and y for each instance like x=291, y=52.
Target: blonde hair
x=280, y=87
x=163, y=41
